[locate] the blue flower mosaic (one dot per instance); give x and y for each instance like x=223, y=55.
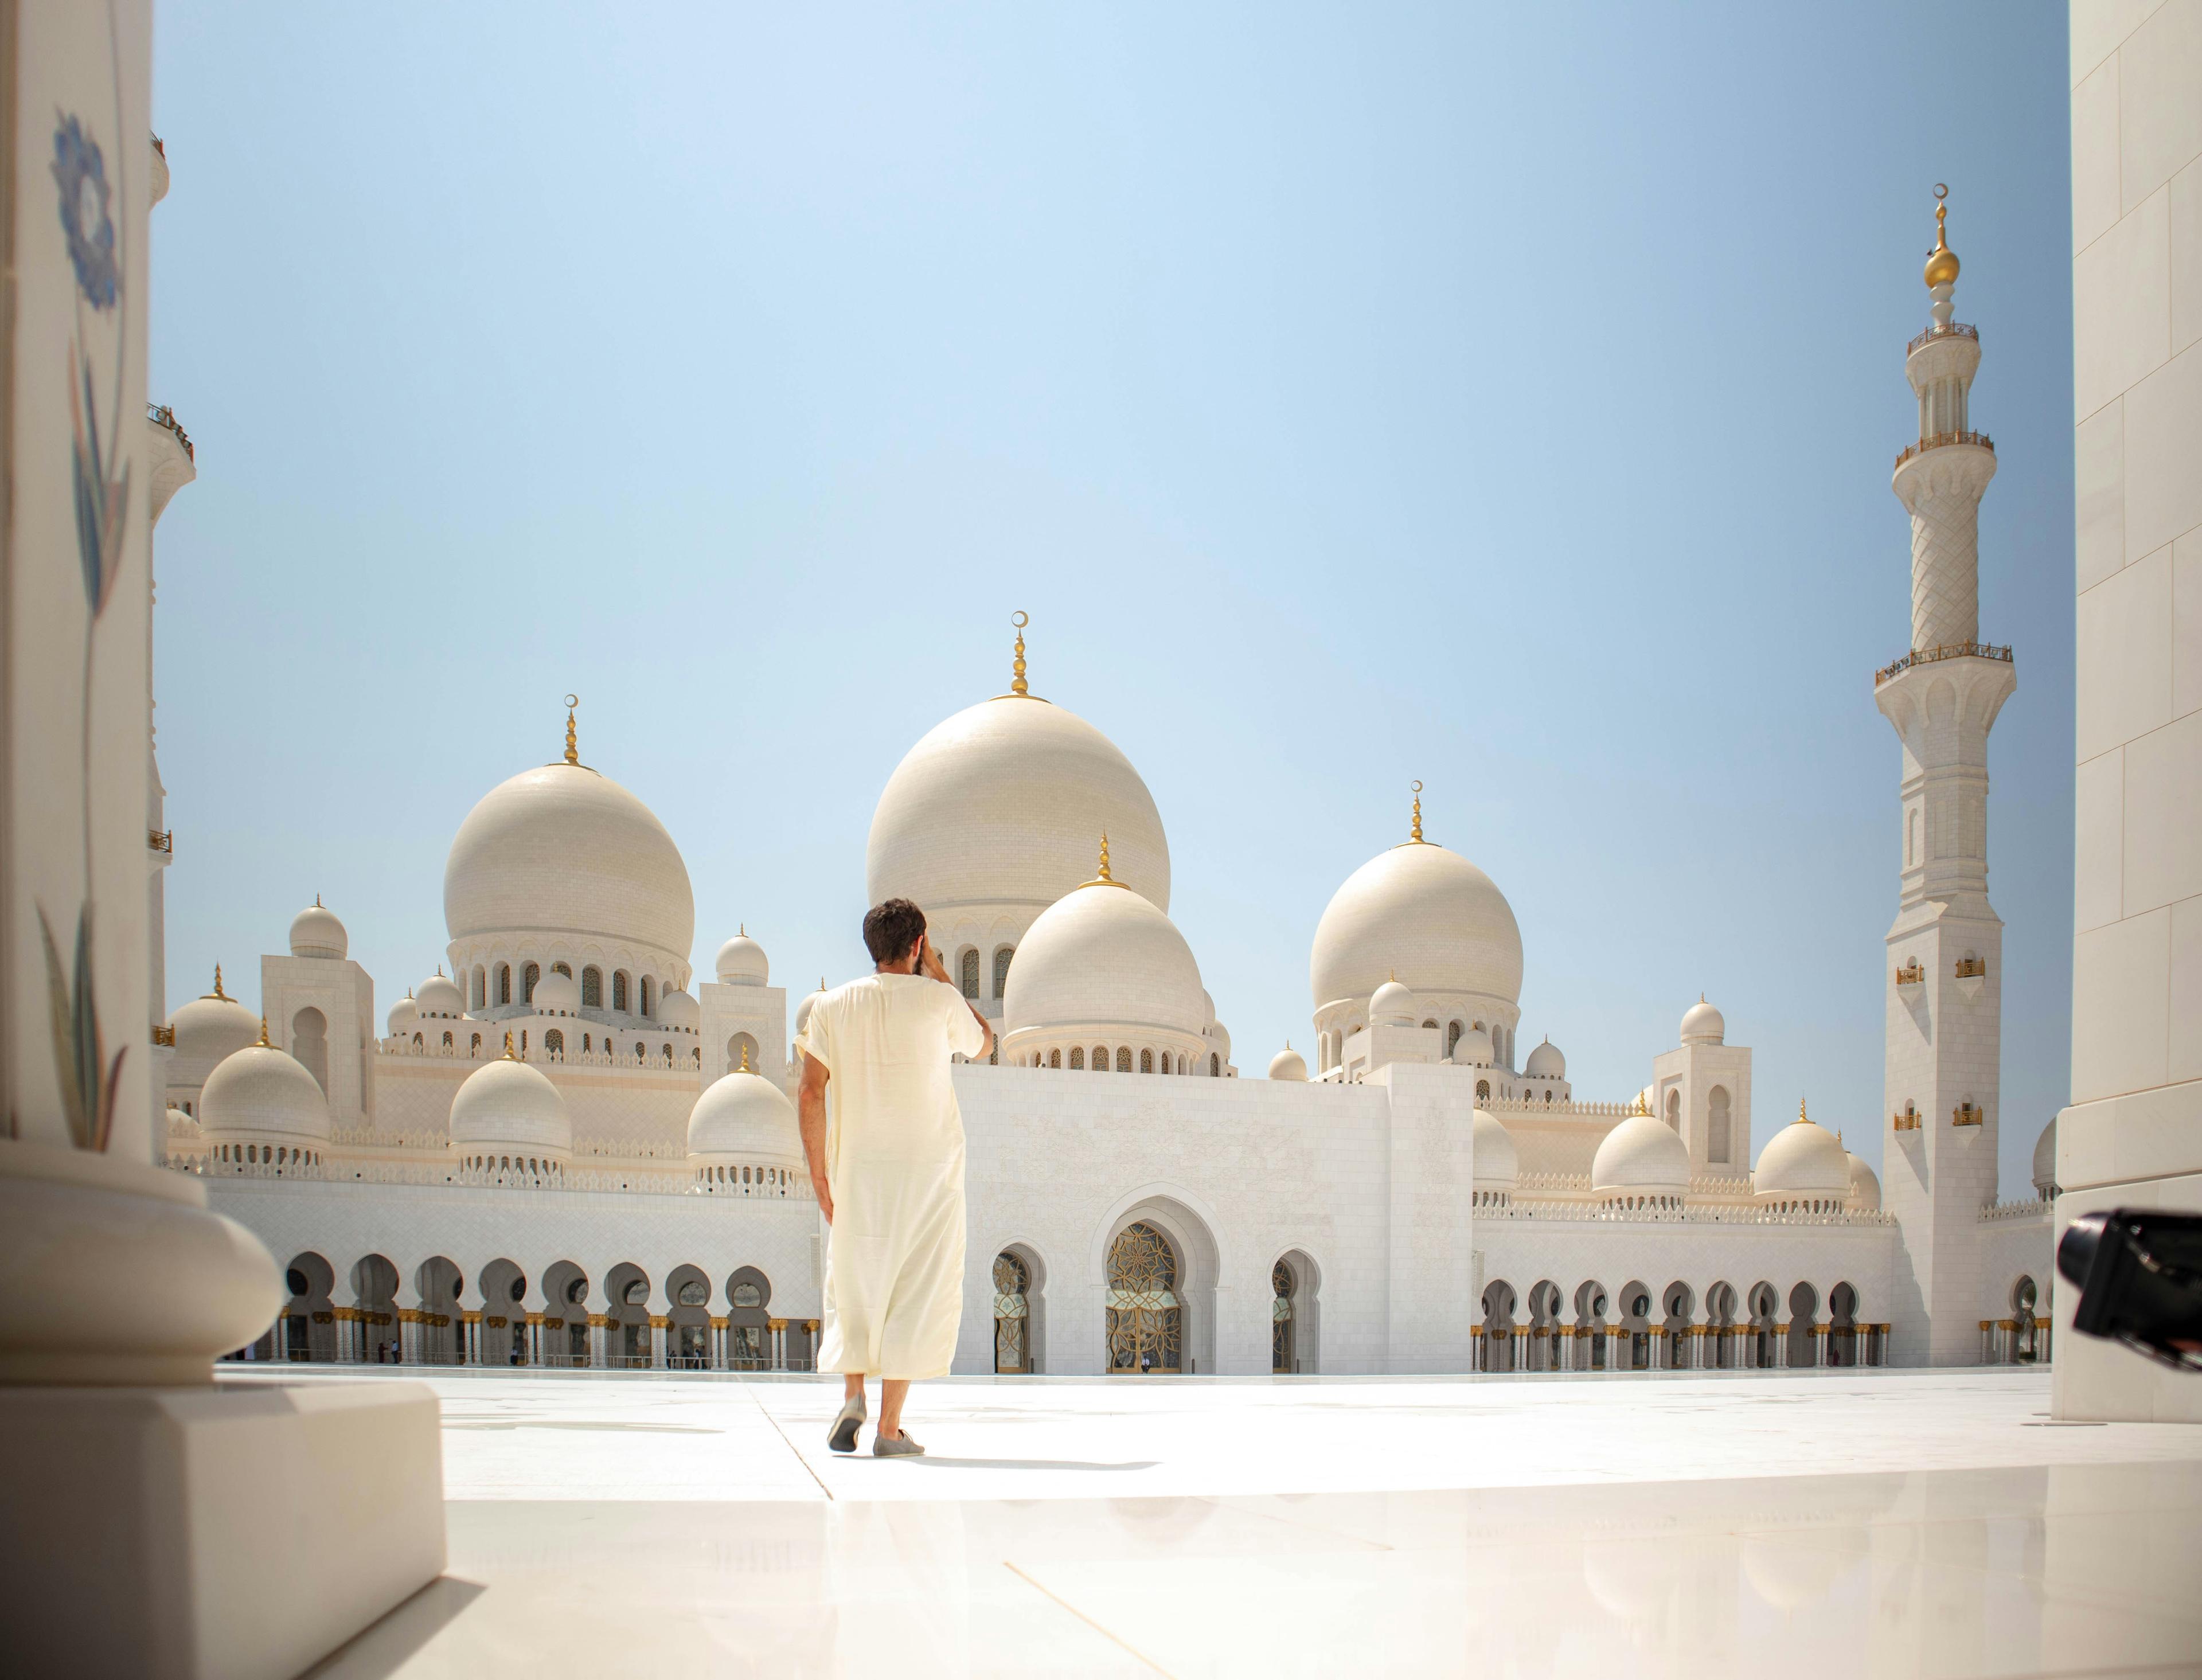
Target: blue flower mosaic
x=81, y=172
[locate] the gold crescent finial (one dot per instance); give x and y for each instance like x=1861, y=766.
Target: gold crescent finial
x=1801, y=1116
x=218, y=991
x=1017, y=685
x=1417, y=836
x=573, y=751
x=1941, y=261
x=1642, y=1107
x=264, y=1044
x=745, y=1056
x=508, y=1055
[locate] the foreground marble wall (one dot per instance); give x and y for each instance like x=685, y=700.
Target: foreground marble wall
x=2132, y=1135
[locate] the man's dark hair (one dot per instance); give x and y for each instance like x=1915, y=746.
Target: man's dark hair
x=891, y=928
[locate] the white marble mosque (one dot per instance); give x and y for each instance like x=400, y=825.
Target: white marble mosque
x=560, y=1147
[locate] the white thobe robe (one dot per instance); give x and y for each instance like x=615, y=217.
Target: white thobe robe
x=894, y=1165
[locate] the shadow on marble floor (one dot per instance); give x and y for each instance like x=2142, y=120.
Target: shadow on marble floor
x=386, y=1645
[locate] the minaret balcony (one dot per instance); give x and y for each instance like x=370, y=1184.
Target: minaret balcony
x=1956, y=329
x=1943, y=440
x=1966, y=1114
x=1911, y=974
x=1906, y=1121
x=175, y=463
x=1952, y=650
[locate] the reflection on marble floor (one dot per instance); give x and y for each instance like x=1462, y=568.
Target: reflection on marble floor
x=2035, y=1552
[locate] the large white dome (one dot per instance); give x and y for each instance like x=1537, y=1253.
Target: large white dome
x=1424, y=916
x=260, y=1095
x=748, y=1117
x=1004, y=804
x=1802, y=1162
x=1640, y=1154
x=562, y=849
x=1103, y=956
x=506, y=1104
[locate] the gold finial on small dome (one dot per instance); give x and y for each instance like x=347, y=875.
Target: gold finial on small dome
x=218, y=991
x=745, y=1057
x=1414, y=835
x=264, y=1044
x=317, y=902
x=1941, y=261
x=573, y=748
x=1803, y=1119
x=1017, y=666
x=508, y=1055
x=1643, y=1105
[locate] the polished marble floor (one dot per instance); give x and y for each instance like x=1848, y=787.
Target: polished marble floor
x=1800, y=1524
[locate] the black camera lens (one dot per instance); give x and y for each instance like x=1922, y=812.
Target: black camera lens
x=2075, y=1255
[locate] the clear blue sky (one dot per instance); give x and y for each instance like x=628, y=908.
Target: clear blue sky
x=1500, y=397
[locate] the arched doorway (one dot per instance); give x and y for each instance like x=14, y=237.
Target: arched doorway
x=1497, y=1350
x=1544, y=1326
x=632, y=1342
x=1590, y=1327
x=1803, y=1310
x=310, y=1318
x=2025, y=1342
x=1294, y=1328
x=1720, y=1325
x=1762, y=1302
x=1012, y=1315
x=565, y=1339
x=1145, y=1326
x=688, y=1320
x=439, y=1281
x=309, y=1045
x=504, y=1314
x=1675, y=1304
x=749, y=1320
x=1842, y=1326
x=1635, y=1351
x=374, y=1306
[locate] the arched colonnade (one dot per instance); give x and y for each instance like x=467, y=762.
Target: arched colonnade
x=1635, y=1327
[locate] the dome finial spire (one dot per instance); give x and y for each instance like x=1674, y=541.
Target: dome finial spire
x=1802, y=1117
x=218, y=991
x=1415, y=834
x=745, y=1056
x=572, y=749
x=264, y=1044
x=1942, y=263
x=1017, y=687
x=508, y=1055
x=1104, y=856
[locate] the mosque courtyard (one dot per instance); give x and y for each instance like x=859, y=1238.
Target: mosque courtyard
x=1805, y=1523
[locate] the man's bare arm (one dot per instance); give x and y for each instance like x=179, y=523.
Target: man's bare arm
x=810, y=1111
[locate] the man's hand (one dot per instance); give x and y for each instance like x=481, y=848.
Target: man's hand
x=929, y=963
x=825, y=1193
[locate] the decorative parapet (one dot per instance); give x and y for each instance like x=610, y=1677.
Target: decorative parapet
x=162, y=840
x=1951, y=650
x=1730, y=1213
x=165, y=1037
x=646, y=1181
x=1517, y=1105
x=1956, y=329
x=2009, y=1213
x=1943, y=440
x=162, y=415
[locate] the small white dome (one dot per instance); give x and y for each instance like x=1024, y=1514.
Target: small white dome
x=1392, y=1005
x=403, y=1014
x=742, y=962
x=215, y=1025
x=1208, y=1004
x=746, y=1116
x=261, y=1094
x=1288, y=1064
x=2045, y=1161
x=1498, y=1161
x=1103, y=957
x=316, y=932
x=1703, y=1025
x=1640, y=1154
x=679, y=1011
x=1474, y=1049
x=1219, y=1037
x=1802, y=1162
x=508, y=1104
x=555, y=994
x=1865, y=1187
x=179, y=1121
x=1546, y=1062
x=439, y=995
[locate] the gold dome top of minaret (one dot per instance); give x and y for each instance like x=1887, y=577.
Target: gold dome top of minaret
x=1941, y=261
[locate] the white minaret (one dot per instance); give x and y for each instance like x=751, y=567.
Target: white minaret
x=1944, y=970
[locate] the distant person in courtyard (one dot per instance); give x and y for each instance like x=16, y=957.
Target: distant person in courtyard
x=890, y=1174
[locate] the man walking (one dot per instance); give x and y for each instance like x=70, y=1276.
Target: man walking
x=890, y=1178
